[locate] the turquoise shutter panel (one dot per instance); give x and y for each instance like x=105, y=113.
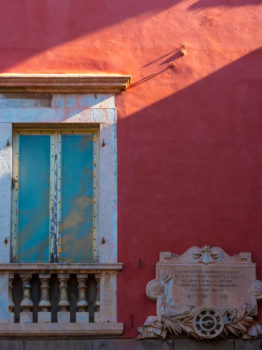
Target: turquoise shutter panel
x=54, y=206
x=77, y=197
x=33, y=199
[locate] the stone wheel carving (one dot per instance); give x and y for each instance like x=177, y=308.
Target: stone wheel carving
x=208, y=323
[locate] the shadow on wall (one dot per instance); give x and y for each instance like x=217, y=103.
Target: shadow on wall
x=189, y=174
x=29, y=27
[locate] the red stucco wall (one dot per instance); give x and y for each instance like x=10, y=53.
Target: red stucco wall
x=189, y=137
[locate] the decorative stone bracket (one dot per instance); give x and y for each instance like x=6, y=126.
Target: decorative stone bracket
x=205, y=294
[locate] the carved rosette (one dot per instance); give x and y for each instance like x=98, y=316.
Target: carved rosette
x=219, y=319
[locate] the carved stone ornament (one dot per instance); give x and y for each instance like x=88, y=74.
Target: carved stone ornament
x=205, y=294
x=207, y=255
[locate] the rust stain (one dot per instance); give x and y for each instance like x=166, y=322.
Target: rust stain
x=73, y=246
x=77, y=215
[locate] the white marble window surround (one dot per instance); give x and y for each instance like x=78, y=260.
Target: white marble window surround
x=64, y=108
x=47, y=106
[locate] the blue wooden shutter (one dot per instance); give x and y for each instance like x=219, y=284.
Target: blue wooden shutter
x=33, y=198
x=54, y=208
x=77, y=216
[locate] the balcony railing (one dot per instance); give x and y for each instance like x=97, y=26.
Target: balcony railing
x=61, y=299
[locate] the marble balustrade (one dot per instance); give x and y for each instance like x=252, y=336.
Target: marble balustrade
x=62, y=295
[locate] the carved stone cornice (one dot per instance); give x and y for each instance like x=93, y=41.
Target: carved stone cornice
x=64, y=83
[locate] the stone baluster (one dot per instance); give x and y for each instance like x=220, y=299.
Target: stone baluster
x=11, y=305
x=97, y=303
x=82, y=315
x=26, y=316
x=44, y=315
x=63, y=314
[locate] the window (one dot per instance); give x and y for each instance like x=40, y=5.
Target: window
x=54, y=195
x=58, y=169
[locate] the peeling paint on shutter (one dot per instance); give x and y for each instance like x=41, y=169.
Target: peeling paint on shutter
x=54, y=202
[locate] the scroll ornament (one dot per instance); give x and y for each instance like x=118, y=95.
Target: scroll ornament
x=199, y=323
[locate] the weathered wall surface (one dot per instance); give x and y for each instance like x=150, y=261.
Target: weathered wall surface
x=189, y=135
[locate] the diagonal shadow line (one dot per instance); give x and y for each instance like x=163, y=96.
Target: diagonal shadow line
x=149, y=77
x=164, y=56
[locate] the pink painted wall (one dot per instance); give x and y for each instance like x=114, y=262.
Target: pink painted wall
x=189, y=137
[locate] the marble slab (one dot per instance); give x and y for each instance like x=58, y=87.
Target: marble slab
x=204, y=277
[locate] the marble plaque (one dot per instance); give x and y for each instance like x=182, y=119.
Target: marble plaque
x=204, y=293
x=206, y=277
